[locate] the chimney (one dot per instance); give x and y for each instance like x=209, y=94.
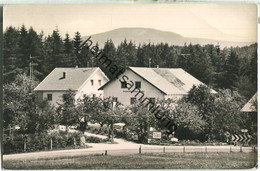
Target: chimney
x=64, y=75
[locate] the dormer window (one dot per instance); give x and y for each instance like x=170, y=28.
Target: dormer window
x=92, y=82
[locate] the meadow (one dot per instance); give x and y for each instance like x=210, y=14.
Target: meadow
x=236, y=160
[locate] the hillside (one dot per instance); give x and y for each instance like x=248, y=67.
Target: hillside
x=146, y=35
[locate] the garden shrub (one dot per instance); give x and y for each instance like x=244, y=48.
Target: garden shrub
x=91, y=139
x=37, y=142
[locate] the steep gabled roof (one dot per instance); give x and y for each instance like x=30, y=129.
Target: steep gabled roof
x=249, y=106
x=167, y=80
x=75, y=78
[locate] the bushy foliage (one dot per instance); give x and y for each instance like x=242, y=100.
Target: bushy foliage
x=68, y=113
x=186, y=116
x=226, y=113
x=91, y=139
x=40, y=141
x=23, y=109
x=221, y=111
x=140, y=118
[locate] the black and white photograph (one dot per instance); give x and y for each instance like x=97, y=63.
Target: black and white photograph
x=153, y=85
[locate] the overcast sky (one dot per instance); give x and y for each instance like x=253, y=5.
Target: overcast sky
x=236, y=22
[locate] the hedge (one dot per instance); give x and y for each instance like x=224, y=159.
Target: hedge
x=38, y=142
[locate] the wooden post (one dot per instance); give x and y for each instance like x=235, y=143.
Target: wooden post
x=24, y=146
x=184, y=149
x=164, y=149
x=51, y=143
x=112, y=131
x=241, y=149
x=206, y=149
x=254, y=149
x=74, y=141
x=105, y=152
x=140, y=150
x=230, y=149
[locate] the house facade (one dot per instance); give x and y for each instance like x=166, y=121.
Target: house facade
x=152, y=83
x=83, y=81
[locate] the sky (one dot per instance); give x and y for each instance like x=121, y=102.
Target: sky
x=236, y=22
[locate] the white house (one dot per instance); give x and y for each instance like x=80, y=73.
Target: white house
x=154, y=83
x=83, y=81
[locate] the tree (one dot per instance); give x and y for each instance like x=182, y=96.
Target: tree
x=35, y=56
x=68, y=112
x=186, y=116
x=11, y=59
x=110, y=52
x=171, y=57
x=87, y=58
x=54, y=47
x=24, y=56
x=112, y=112
x=232, y=70
x=226, y=109
x=70, y=57
x=201, y=97
x=220, y=111
x=22, y=109
x=141, y=119
x=140, y=57
x=126, y=54
x=90, y=111
x=77, y=48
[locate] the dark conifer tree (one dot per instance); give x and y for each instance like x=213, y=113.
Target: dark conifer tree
x=232, y=70
x=24, y=54
x=140, y=56
x=11, y=59
x=70, y=57
x=110, y=52
x=126, y=54
x=77, y=40
x=131, y=54
x=35, y=49
x=54, y=51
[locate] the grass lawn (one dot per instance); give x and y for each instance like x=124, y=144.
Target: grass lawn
x=144, y=161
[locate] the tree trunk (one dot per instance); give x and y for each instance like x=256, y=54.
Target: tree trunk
x=112, y=131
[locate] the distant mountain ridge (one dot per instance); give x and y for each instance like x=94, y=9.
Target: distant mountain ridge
x=146, y=35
